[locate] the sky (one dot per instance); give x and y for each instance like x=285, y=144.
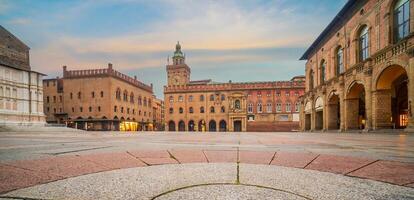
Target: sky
x=248, y=40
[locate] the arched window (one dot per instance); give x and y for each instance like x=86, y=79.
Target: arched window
x=363, y=43
x=201, y=109
x=131, y=97
x=223, y=97
x=237, y=104
x=125, y=95
x=79, y=95
x=212, y=97
x=190, y=98
x=212, y=109
x=191, y=110
x=181, y=110
x=310, y=80
x=278, y=107
x=180, y=98
x=171, y=111
x=223, y=109
x=201, y=97
x=250, y=108
x=401, y=19
x=269, y=107
x=102, y=93
x=323, y=71
x=139, y=100
x=288, y=107
x=339, y=61
x=145, y=101
x=297, y=105
x=171, y=98
x=259, y=107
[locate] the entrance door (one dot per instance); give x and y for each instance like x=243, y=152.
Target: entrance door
x=237, y=126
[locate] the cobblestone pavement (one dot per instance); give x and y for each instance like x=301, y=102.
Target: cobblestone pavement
x=28, y=160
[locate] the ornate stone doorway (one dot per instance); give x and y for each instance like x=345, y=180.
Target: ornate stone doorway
x=237, y=124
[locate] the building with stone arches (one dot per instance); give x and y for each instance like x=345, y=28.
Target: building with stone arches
x=360, y=70
x=204, y=105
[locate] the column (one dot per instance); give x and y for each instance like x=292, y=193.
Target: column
x=368, y=103
x=410, y=87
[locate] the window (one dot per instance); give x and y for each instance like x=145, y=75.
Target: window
x=125, y=95
x=115, y=109
x=181, y=110
x=171, y=99
x=250, y=108
x=90, y=109
x=201, y=109
x=191, y=110
x=149, y=102
x=54, y=99
x=47, y=99
x=287, y=93
x=47, y=109
x=297, y=105
x=278, y=93
x=180, y=98
x=237, y=104
x=133, y=111
x=212, y=97
x=122, y=109
x=269, y=107
x=296, y=93
x=99, y=108
x=363, y=44
x=278, y=107
x=73, y=109
x=322, y=71
x=101, y=94
x=93, y=94
x=223, y=109
x=60, y=98
x=79, y=95
x=311, y=73
x=54, y=110
x=339, y=61
x=268, y=94
x=81, y=109
x=259, y=94
x=171, y=111
x=212, y=109
x=190, y=98
x=145, y=101
x=259, y=108
x=201, y=97
x=401, y=19
x=288, y=107
x=140, y=100
x=127, y=110
x=118, y=94
x=223, y=97
x=71, y=95
x=131, y=98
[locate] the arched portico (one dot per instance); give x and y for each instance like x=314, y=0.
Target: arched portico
x=201, y=126
x=191, y=125
x=308, y=116
x=171, y=126
x=333, y=111
x=222, y=126
x=319, y=113
x=181, y=126
x=355, y=106
x=391, y=92
x=212, y=127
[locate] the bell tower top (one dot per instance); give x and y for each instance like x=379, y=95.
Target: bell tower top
x=178, y=72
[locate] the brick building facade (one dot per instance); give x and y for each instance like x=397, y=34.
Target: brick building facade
x=360, y=70
x=205, y=105
x=21, y=93
x=99, y=99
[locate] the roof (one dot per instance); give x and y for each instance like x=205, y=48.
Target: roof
x=331, y=26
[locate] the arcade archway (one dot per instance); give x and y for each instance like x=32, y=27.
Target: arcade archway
x=355, y=107
x=171, y=126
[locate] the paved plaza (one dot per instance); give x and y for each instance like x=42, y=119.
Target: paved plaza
x=163, y=165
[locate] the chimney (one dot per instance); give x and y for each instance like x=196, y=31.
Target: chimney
x=109, y=65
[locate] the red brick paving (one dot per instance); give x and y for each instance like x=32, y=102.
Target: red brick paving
x=12, y=178
x=221, y=156
x=388, y=171
x=256, y=157
x=64, y=166
x=189, y=156
x=338, y=164
x=154, y=157
x=288, y=159
x=114, y=160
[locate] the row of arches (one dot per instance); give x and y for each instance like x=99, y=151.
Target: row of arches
x=201, y=126
x=387, y=105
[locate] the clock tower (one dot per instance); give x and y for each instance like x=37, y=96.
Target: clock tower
x=178, y=72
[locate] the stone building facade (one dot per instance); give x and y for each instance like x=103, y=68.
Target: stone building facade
x=158, y=116
x=360, y=70
x=99, y=99
x=204, y=105
x=21, y=93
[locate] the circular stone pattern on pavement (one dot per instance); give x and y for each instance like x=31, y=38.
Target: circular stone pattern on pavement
x=228, y=191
